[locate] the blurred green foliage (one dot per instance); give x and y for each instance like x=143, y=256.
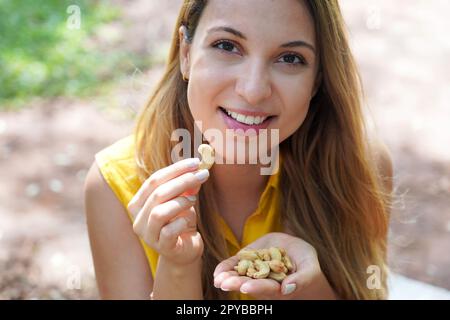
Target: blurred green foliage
x=41, y=56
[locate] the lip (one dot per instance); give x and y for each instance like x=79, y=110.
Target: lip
x=234, y=124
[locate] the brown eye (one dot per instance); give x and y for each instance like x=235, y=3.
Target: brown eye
x=225, y=46
x=293, y=59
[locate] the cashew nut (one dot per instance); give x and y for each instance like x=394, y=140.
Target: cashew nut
x=275, y=253
x=288, y=263
x=272, y=263
x=207, y=153
x=247, y=254
x=264, y=254
x=262, y=268
x=243, y=266
x=250, y=272
x=277, y=266
x=277, y=276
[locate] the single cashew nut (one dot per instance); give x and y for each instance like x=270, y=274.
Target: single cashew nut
x=277, y=276
x=288, y=263
x=243, y=266
x=207, y=153
x=275, y=253
x=277, y=266
x=262, y=268
x=250, y=272
x=264, y=254
x=247, y=254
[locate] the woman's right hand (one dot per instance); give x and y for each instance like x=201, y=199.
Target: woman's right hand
x=163, y=212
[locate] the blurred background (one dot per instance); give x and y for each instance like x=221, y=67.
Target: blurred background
x=69, y=87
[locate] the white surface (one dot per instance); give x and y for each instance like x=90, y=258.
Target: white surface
x=402, y=288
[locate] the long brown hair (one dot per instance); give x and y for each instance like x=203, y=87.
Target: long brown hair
x=331, y=195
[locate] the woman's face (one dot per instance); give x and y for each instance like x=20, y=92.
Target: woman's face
x=256, y=58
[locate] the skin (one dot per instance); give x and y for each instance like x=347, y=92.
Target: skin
x=255, y=75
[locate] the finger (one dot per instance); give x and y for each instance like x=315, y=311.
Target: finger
x=169, y=234
x=226, y=265
x=165, y=213
x=261, y=287
x=221, y=277
x=157, y=178
x=234, y=283
x=190, y=215
x=177, y=186
x=301, y=279
x=168, y=191
x=192, y=240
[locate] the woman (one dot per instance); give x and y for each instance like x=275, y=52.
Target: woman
x=164, y=227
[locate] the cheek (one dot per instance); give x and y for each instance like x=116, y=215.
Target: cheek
x=204, y=85
x=295, y=112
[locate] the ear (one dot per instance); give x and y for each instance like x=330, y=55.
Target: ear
x=184, y=51
x=317, y=83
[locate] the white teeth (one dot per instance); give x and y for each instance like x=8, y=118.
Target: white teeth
x=248, y=120
x=241, y=118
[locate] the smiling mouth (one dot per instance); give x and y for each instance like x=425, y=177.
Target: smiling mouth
x=246, y=120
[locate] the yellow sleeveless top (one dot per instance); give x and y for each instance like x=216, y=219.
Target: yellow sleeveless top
x=118, y=167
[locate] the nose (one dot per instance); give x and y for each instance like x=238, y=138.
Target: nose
x=254, y=83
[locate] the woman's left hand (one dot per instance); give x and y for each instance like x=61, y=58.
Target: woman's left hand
x=306, y=280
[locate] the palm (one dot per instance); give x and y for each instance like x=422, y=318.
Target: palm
x=290, y=243
x=302, y=254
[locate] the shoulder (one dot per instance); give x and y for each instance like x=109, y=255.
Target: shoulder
x=119, y=151
x=109, y=176
x=101, y=204
x=117, y=166
x=95, y=185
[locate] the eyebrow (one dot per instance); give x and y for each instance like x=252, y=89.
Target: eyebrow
x=292, y=44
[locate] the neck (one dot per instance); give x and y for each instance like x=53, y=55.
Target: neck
x=238, y=185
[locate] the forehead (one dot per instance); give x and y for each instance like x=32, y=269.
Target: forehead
x=260, y=19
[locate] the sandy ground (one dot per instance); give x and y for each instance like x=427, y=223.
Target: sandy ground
x=45, y=150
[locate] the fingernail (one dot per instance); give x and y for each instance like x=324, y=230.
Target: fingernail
x=289, y=288
x=191, y=198
x=244, y=290
x=202, y=175
x=192, y=162
x=224, y=289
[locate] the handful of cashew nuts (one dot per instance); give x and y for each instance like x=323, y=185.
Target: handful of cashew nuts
x=207, y=153
x=272, y=263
